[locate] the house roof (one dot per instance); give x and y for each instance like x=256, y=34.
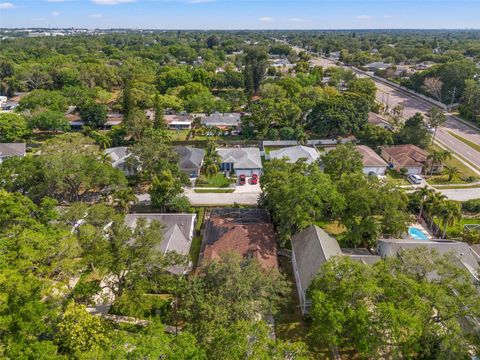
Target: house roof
x=178, y=118
x=376, y=119
x=242, y=158
x=295, y=153
x=118, y=155
x=378, y=65
x=462, y=252
x=190, y=157
x=312, y=247
x=407, y=155
x=12, y=149
x=231, y=119
x=370, y=157
x=247, y=232
x=176, y=232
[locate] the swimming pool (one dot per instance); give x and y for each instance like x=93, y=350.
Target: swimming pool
x=416, y=233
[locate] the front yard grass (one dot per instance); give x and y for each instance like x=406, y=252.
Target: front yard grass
x=178, y=135
x=395, y=178
x=217, y=181
x=334, y=228
x=465, y=172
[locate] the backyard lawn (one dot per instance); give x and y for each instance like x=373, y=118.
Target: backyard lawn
x=217, y=181
x=457, y=228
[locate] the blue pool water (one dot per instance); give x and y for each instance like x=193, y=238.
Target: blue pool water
x=416, y=233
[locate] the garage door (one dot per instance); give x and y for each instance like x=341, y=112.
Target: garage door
x=379, y=170
x=246, y=172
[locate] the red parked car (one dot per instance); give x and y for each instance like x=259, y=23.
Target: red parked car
x=242, y=179
x=254, y=180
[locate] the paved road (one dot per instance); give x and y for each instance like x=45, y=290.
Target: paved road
x=392, y=97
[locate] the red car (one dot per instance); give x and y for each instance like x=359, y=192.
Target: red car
x=242, y=179
x=254, y=180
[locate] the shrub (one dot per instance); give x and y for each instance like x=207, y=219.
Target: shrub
x=472, y=206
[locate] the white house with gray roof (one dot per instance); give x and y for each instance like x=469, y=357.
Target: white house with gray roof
x=118, y=157
x=294, y=153
x=178, y=233
x=222, y=120
x=241, y=161
x=12, y=149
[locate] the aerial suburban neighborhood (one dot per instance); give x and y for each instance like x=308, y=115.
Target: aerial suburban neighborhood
x=239, y=194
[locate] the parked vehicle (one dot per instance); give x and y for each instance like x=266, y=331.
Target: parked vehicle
x=242, y=179
x=415, y=179
x=254, y=180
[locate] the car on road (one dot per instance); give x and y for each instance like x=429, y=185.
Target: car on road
x=415, y=179
x=254, y=180
x=242, y=179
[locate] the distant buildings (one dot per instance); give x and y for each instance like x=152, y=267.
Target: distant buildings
x=222, y=121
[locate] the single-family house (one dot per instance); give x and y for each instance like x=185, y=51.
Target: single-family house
x=118, y=157
x=241, y=161
x=409, y=157
x=247, y=232
x=179, y=121
x=222, y=121
x=311, y=248
x=294, y=153
x=372, y=162
x=8, y=150
x=377, y=66
x=378, y=120
x=190, y=160
x=178, y=231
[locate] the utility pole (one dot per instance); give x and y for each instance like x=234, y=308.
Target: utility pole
x=453, y=97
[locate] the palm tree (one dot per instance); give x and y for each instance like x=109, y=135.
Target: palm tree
x=438, y=157
x=124, y=198
x=210, y=168
x=433, y=204
x=449, y=213
x=451, y=172
x=424, y=194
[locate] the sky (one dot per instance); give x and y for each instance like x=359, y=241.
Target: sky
x=242, y=14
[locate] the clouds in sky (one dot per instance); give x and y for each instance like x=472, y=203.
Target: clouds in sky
x=6, y=5
x=266, y=19
x=55, y=13
x=95, y=16
x=364, y=17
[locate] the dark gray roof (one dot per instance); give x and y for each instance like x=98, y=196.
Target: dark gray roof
x=312, y=247
x=177, y=232
x=12, y=149
x=190, y=157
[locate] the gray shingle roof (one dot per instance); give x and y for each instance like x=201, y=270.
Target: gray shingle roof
x=232, y=119
x=295, y=153
x=118, y=155
x=190, y=157
x=312, y=247
x=242, y=158
x=12, y=149
x=177, y=233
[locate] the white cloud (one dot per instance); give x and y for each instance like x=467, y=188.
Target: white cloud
x=387, y=16
x=111, y=2
x=55, y=13
x=364, y=17
x=95, y=16
x=266, y=19
x=296, y=20
x=7, y=5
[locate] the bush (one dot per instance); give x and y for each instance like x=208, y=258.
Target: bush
x=85, y=290
x=471, y=206
x=142, y=306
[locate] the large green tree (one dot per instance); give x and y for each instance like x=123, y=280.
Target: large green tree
x=13, y=127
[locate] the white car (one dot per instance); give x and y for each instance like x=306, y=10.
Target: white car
x=415, y=179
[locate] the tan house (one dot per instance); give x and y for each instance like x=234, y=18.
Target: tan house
x=372, y=162
x=410, y=157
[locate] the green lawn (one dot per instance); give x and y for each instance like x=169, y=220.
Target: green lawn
x=219, y=191
x=178, y=135
x=465, y=141
x=457, y=228
x=334, y=228
x=218, y=181
x=394, y=177
x=465, y=172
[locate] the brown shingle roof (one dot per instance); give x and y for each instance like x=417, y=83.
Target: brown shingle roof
x=226, y=233
x=407, y=155
x=370, y=157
